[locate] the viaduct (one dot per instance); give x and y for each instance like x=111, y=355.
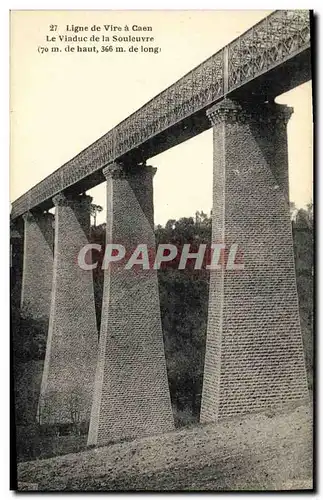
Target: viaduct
x=254, y=355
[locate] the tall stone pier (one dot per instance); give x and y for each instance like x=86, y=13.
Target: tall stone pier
x=254, y=354
x=37, y=264
x=131, y=396
x=71, y=352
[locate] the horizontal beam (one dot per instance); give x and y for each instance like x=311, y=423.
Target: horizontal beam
x=177, y=113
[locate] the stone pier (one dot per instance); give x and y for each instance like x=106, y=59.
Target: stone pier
x=131, y=397
x=254, y=354
x=37, y=264
x=71, y=352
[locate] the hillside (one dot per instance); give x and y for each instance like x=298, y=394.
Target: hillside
x=261, y=451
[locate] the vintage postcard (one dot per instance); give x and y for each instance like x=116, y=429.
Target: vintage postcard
x=161, y=234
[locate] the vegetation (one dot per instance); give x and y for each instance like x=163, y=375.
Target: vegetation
x=260, y=452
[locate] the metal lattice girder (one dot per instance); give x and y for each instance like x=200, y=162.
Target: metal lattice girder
x=273, y=41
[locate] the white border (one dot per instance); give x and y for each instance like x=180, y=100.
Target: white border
x=4, y=184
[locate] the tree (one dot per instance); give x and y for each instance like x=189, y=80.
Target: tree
x=75, y=404
x=304, y=264
x=95, y=209
x=29, y=334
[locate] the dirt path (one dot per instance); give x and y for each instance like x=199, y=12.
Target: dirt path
x=258, y=452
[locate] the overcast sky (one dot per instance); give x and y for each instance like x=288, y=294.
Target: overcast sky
x=62, y=102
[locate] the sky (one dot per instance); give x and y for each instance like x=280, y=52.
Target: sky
x=62, y=102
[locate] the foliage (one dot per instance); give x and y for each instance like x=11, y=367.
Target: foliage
x=304, y=263
x=28, y=335
x=184, y=304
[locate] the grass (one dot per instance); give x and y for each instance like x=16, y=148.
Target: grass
x=258, y=452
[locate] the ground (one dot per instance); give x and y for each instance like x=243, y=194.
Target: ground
x=258, y=452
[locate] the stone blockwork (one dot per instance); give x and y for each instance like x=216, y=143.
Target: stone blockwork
x=131, y=395
x=37, y=264
x=254, y=354
x=71, y=353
